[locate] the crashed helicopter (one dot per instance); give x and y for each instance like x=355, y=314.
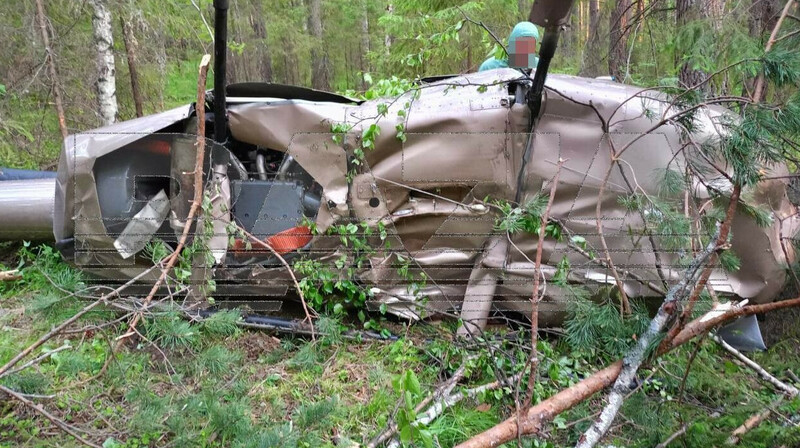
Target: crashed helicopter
x=285, y=160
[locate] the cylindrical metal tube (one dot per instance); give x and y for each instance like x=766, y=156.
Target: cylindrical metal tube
x=26, y=209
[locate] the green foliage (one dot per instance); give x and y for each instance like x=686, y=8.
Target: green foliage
x=222, y=323
x=527, y=218
x=408, y=386
x=170, y=330
x=600, y=326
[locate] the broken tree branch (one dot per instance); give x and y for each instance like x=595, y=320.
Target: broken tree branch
x=57, y=421
x=681, y=431
x=38, y=359
x=633, y=360
x=439, y=406
x=750, y=423
x=566, y=399
x=198, y=192
x=444, y=390
x=768, y=377
x=58, y=329
x=10, y=276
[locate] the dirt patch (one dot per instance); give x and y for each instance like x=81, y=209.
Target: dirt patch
x=255, y=344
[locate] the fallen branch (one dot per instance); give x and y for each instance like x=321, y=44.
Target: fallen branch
x=198, y=193
x=658, y=325
x=533, y=360
x=674, y=436
x=57, y=421
x=566, y=399
x=433, y=412
x=56, y=330
x=39, y=359
x=750, y=423
x=10, y=276
x=445, y=389
x=790, y=390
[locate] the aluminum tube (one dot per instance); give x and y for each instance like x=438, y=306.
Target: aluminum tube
x=26, y=210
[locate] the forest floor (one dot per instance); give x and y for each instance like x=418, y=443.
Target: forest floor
x=212, y=384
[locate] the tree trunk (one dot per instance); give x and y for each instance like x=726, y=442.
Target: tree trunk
x=365, y=66
x=106, y=73
x=320, y=72
x=130, y=49
x=260, y=31
x=618, y=40
x=763, y=15
x=51, y=68
x=387, y=38
x=687, y=11
x=591, y=54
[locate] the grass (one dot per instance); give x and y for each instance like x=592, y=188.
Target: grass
x=211, y=384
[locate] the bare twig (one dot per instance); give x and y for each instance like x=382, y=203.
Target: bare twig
x=56, y=330
x=681, y=431
x=38, y=359
x=71, y=430
x=439, y=406
x=443, y=391
x=535, y=296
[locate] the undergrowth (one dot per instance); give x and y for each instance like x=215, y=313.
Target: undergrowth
x=208, y=383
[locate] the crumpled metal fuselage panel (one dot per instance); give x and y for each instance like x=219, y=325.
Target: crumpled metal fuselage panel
x=464, y=143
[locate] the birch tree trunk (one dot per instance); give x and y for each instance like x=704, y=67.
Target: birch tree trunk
x=131, y=45
x=106, y=72
x=365, y=66
x=41, y=19
x=320, y=72
x=387, y=38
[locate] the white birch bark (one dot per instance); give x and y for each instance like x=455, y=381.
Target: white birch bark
x=106, y=71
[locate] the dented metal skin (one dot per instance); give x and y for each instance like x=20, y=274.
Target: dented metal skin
x=463, y=144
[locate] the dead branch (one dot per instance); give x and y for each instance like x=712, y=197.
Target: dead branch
x=633, y=360
x=51, y=68
x=759, y=88
x=71, y=430
x=566, y=399
x=681, y=431
x=533, y=359
x=198, y=192
x=625, y=307
x=768, y=377
x=750, y=423
x=39, y=359
x=56, y=330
